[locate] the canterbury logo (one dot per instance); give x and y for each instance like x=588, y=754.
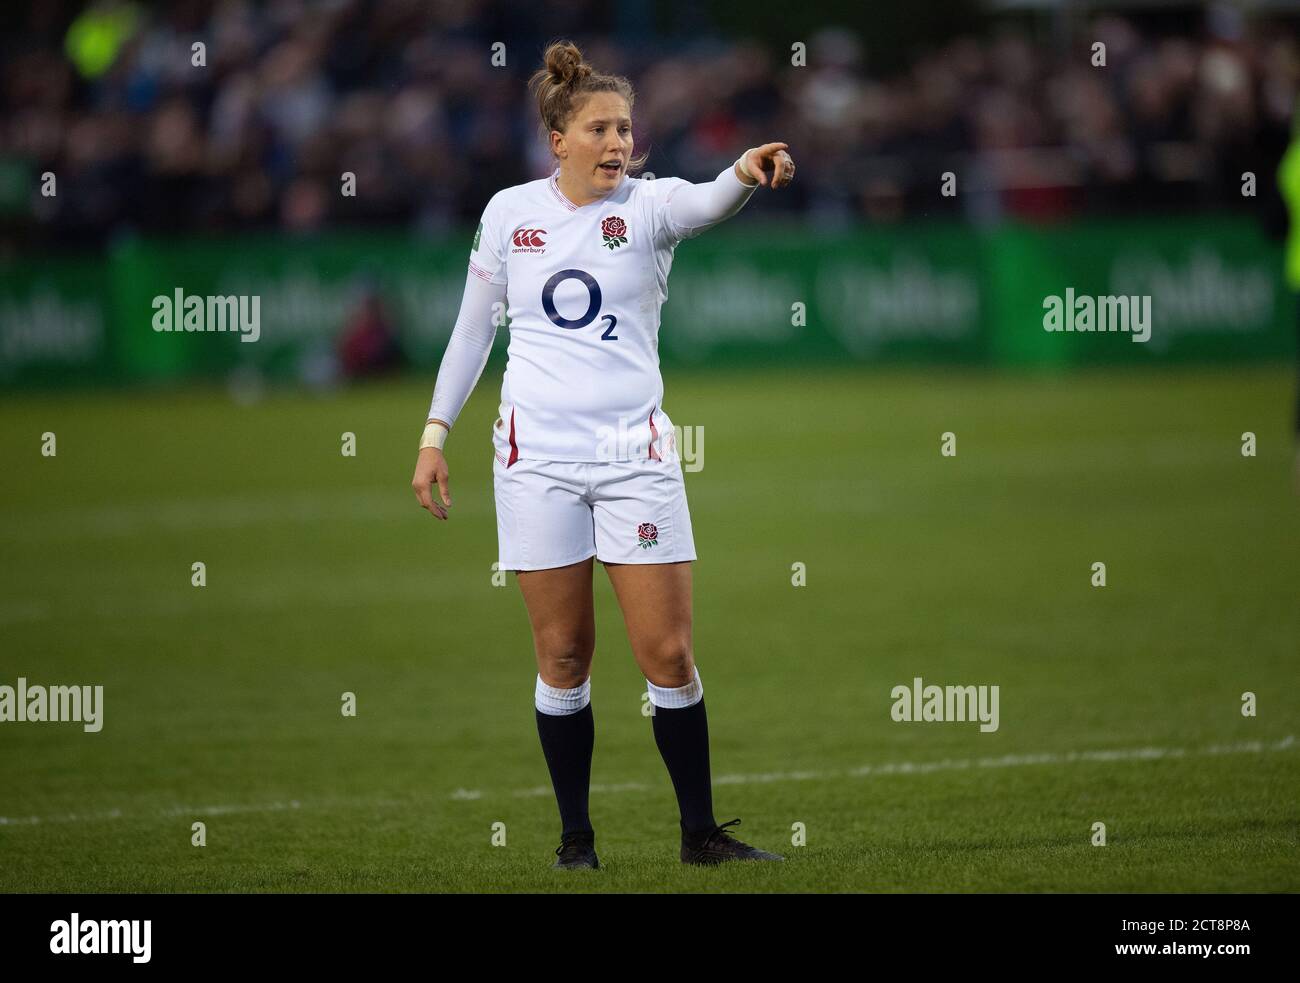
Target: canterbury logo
x=530, y=237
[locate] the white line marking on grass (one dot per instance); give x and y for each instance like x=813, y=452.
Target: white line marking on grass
x=91, y=817
x=174, y=516
x=272, y=594
x=928, y=767
x=888, y=768
x=232, y=810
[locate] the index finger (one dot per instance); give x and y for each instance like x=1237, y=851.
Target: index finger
x=425, y=497
x=779, y=161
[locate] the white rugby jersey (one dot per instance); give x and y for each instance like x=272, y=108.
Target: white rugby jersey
x=584, y=287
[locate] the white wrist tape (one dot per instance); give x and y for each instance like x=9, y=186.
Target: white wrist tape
x=740, y=166
x=435, y=435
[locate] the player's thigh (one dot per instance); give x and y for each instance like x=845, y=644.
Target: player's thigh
x=640, y=512
x=562, y=613
x=543, y=518
x=656, y=602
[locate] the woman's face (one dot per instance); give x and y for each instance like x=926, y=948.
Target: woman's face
x=597, y=145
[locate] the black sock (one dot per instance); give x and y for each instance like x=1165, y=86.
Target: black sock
x=567, y=741
x=683, y=738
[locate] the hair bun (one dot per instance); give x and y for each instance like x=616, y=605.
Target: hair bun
x=564, y=62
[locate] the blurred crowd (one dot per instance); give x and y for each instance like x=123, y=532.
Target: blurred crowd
x=405, y=95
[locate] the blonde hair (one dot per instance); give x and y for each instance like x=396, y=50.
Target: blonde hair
x=563, y=84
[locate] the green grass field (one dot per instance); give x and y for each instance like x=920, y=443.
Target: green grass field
x=222, y=704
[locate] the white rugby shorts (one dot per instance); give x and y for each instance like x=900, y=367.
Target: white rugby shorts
x=553, y=513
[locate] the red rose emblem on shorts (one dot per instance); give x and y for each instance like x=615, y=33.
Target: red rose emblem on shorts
x=647, y=534
x=614, y=229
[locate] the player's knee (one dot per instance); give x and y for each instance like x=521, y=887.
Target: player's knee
x=672, y=662
x=565, y=663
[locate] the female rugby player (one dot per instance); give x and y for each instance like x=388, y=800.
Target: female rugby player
x=586, y=463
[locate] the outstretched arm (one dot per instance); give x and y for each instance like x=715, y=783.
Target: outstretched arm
x=695, y=207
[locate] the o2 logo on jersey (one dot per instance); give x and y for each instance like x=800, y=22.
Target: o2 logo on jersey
x=593, y=304
x=529, y=241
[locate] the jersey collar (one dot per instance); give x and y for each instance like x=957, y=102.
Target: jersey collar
x=554, y=183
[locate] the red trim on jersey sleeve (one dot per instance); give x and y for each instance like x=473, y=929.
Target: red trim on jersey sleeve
x=479, y=272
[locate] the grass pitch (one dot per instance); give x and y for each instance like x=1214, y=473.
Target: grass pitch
x=1119, y=705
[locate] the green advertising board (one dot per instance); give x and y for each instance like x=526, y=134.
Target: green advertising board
x=306, y=292
x=54, y=322
x=911, y=295
x=1215, y=291
x=1211, y=290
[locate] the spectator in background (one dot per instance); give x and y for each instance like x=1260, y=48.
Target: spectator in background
x=368, y=345
x=293, y=95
